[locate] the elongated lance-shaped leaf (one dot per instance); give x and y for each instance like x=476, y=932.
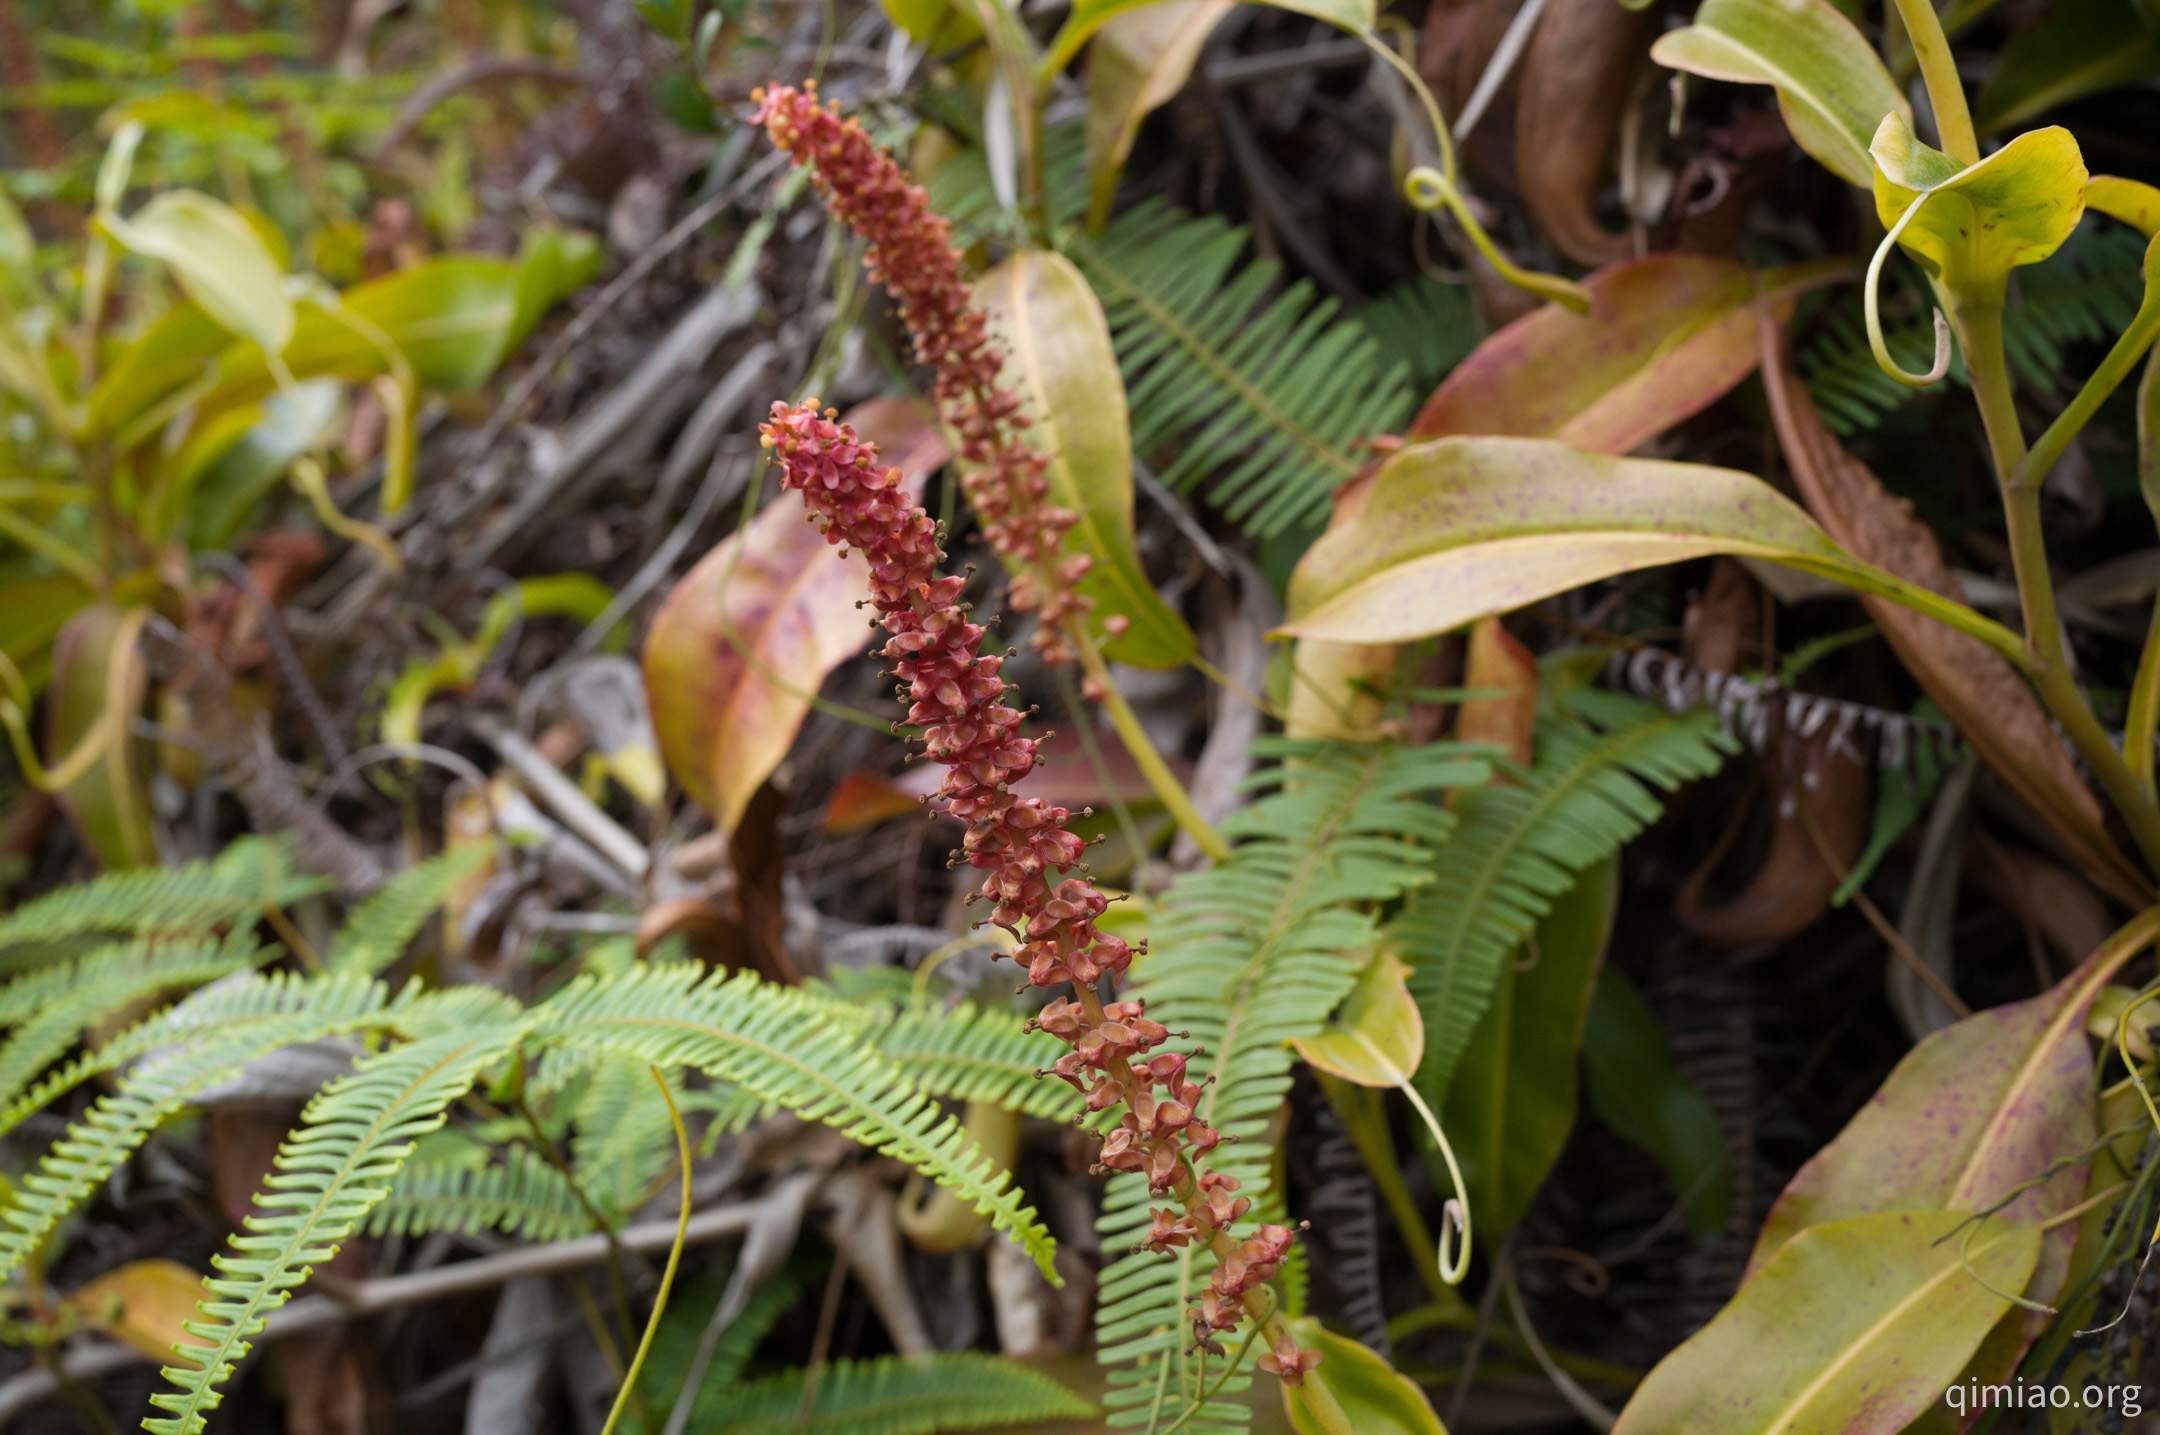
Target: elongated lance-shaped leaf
x=1459, y=529
x=781, y=1045
x=1247, y=956
x=328, y=1175
x=1521, y=846
x=115, y=1125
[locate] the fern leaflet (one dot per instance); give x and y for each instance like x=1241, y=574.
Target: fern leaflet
x=1520, y=846
x=355, y=1134
x=974, y=1053
x=782, y=1045
x=524, y=1197
x=286, y=1011
x=198, y=897
x=56, y=1005
x=1268, y=393
x=377, y=930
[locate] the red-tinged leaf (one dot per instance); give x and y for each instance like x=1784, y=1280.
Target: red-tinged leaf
x=1855, y=1328
x=1581, y=63
x=1497, y=662
x=864, y=799
x=749, y=634
x=1971, y=1114
x=1665, y=337
x=1978, y=689
x=100, y=680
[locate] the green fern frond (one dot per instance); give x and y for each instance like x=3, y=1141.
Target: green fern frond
x=782, y=1045
x=192, y=899
x=962, y=191
x=276, y=1011
x=523, y=1197
x=2087, y=293
x=975, y=1053
x=1264, y=394
x=1427, y=325
x=623, y=1138
x=377, y=930
x=683, y=1327
x=1520, y=846
x=234, y=1008
x=56, y=1005
x=1247, y=956
x=897, y=1395
x=355, y=1134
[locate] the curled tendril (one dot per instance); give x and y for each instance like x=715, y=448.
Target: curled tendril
x=1427, y=189
x=1454, y=1260
x=1875, y=339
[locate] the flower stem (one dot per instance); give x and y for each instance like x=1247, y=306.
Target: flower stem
x=667, y=1277
x=1980, y=324
x=1946, y=93
x=1175, y=799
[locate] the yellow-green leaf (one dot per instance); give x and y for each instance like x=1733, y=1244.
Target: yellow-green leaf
x=1831, y=88
x=219, y=260
x=1463, y=528
x=1854, y=1327
x=1088, y=16
x=1378, y=1399
x=1377, y=1037
x=1058, y=359
x=1978, y=222
x=143, y=1304
x=100, y=680
x=1139, y=61
x=454, y=318
x=2134, y=203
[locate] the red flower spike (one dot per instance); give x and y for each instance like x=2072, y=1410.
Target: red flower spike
x=911, y=253
x=957, y=693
